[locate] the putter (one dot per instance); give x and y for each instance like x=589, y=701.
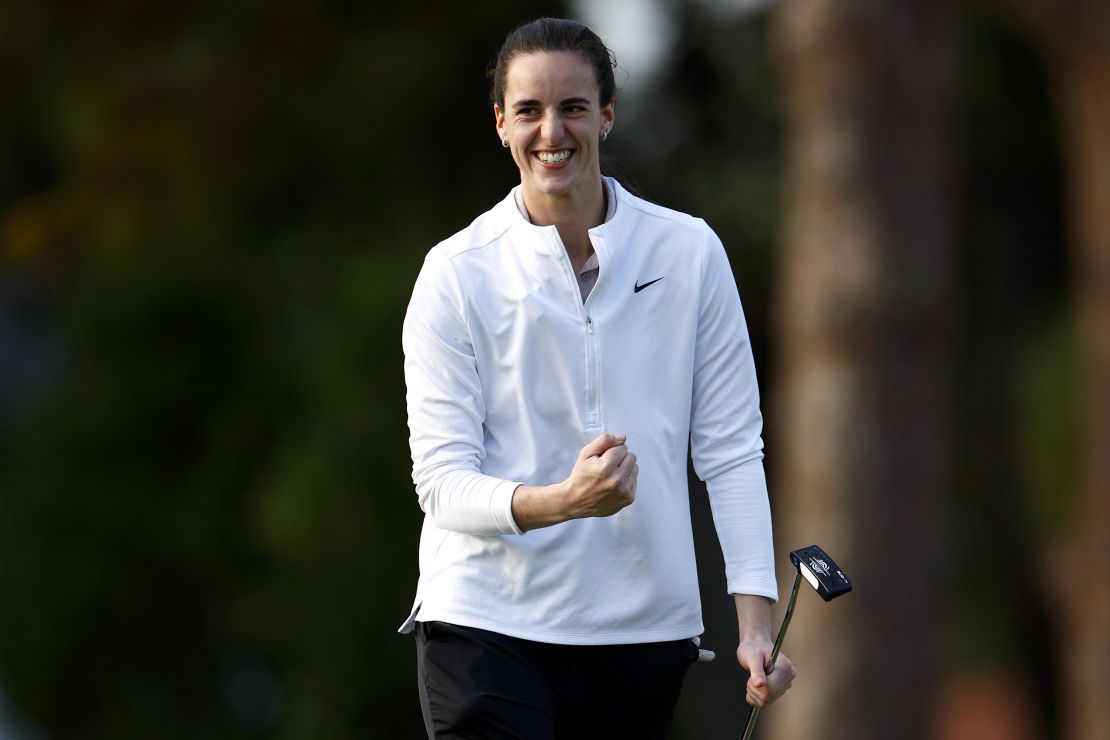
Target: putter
x=827, y=579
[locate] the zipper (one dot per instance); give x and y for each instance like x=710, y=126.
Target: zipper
x=593, y=412
x=592, y=341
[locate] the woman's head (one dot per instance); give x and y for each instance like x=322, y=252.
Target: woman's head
x=554, y=35
x=553, y=103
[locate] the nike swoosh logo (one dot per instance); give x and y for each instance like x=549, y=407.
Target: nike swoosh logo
x=639, y=287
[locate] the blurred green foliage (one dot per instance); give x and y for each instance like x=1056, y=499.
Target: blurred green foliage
x=208, y=529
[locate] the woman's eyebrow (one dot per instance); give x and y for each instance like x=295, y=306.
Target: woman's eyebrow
x=533, y=103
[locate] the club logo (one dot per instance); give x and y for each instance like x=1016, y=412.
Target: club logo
x=820, y=566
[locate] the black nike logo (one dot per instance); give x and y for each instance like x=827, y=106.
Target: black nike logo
x=639, y=287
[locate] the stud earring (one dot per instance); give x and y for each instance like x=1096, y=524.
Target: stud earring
x=505, y=143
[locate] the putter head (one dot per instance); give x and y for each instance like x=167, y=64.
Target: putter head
x=826, y=577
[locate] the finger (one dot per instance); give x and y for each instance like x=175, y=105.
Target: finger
x=615, y=455
x=754, y=661
x=628, y=483
x=634, y=473
x=627, y=465
x=785, y=667
x=783, y=680
x=600, y=444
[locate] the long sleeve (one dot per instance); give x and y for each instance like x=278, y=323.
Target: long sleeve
x=742, y=516
x=725, y=431
x=446, y=410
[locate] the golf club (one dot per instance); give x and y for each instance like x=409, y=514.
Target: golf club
x=826, y=578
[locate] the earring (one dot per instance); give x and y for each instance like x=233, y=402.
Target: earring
x=505, y=143
x=605, y=134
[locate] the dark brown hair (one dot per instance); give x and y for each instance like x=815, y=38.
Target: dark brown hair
x=553, y=35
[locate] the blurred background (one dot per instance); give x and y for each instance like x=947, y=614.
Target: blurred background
x=211, y=217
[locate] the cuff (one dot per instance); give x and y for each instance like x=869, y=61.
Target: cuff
x=501, y=506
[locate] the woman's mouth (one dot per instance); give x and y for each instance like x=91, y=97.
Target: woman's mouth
x=555, y=159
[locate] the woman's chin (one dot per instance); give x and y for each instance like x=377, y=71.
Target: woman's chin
x=555, y=183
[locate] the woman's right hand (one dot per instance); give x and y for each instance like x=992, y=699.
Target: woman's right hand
x=603, y=480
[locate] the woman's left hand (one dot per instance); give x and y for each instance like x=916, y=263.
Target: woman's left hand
x=766, y=683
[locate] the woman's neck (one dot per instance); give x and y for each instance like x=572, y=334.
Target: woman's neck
x=573, y=215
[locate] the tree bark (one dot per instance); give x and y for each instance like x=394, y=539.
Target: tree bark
x=1085, y=607
x=864, y=353
x=1073, y=36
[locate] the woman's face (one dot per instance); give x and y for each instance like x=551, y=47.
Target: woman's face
x=553, y=122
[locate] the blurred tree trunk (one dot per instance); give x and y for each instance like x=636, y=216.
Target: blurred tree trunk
x=1074, y=38
x=1086, y=599
x=864, y=339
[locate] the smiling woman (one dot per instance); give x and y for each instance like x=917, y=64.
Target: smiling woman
x=553, y=121
x=567, y=326
x=554, y=97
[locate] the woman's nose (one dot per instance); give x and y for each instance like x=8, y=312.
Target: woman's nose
x=552, y=129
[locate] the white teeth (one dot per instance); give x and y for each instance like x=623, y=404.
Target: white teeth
x=554, y=157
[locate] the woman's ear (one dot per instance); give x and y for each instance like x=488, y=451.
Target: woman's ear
x=499, y=124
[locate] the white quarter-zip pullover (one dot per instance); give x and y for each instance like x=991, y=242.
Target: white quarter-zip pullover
x=510, y=373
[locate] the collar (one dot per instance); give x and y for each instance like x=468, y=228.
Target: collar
x=610, y=200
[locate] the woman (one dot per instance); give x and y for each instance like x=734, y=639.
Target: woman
x=569, y=325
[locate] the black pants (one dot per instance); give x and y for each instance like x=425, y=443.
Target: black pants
x=477, y=684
